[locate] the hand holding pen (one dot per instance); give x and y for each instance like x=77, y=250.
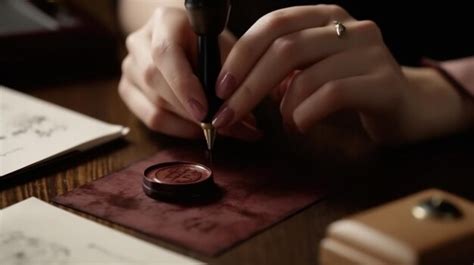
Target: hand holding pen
x=318, y=59
x=159, y=82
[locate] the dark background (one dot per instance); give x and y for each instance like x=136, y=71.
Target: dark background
x=439, y=30
x=361, y=175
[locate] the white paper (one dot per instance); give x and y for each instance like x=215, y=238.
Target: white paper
x=35, y=232
x=33, y=130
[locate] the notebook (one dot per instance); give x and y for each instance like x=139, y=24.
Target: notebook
x=35, y=232
x=33, y=131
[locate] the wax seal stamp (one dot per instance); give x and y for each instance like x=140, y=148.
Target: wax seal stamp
x=179, y=182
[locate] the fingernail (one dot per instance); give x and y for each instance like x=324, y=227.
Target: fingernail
x=225, y=86
x=223, y=117
x=197, y=110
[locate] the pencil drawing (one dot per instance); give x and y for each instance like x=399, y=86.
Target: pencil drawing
x=19, y=249
x=16, y=248
x=30, y=125
x=110, y=255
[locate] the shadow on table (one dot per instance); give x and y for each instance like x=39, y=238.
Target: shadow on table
x=62, y=163
x=391, y=173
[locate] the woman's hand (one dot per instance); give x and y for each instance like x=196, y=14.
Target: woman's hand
x=298, y=49
x=158, y=83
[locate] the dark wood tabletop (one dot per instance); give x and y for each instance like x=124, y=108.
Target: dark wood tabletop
x=361, y=175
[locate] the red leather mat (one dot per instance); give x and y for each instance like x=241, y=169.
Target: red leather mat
x=258, y=190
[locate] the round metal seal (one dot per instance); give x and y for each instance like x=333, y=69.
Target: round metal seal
x=178, y=182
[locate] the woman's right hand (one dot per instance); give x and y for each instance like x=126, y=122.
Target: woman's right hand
x=158, y=84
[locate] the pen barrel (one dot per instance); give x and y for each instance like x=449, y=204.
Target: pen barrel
x=208, y=19
x=208, y=68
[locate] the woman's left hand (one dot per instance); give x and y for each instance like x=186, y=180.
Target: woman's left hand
x=352, y=71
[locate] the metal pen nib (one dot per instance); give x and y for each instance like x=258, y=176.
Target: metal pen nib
x=209, y=134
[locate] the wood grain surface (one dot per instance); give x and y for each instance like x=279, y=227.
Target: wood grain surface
x=360, y=174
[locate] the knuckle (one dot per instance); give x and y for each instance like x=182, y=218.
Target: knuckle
x=126, y=64
x=370, y=30
x=122, y=88
x=130, y=41
x=149, y=74
x=284, y=46
x=334, y=92
x=275, y=20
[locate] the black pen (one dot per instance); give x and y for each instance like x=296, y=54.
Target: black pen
x=208, y=19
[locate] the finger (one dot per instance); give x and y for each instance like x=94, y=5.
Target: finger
x=226, y=42
x=169, y=43
x=253, y=44
x=138, y=45
x=154, y=87
x=156, y=118
x=278, y=92
x=245, y=130
x=361, y=93
x=242, y=131
x=288, y=53
x=146, y=75
x=282, y=58
x=331, y=68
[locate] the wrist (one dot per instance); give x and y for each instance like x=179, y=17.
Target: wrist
x=433, y=106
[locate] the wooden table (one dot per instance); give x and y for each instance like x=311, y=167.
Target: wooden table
x=362, y=176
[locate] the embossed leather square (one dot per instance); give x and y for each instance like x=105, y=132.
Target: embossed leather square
x=258, y=190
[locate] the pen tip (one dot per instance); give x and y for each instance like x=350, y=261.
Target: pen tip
x=209, y=134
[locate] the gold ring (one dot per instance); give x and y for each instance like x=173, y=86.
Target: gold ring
x=340, y=28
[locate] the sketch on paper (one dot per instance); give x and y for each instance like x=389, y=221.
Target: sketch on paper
x=33, y=125
x=19, y=249
x=25, y=239
x=33, y=130
x=109, y=255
